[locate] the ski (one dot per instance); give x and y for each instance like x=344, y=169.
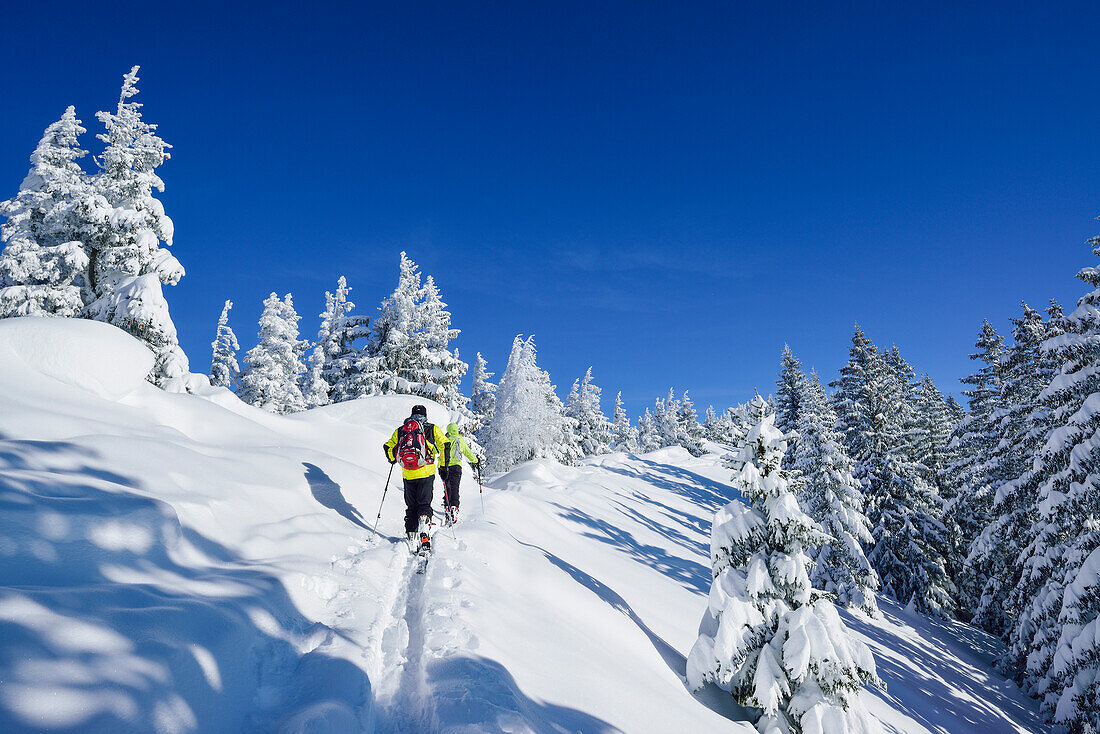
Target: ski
x=423, y=553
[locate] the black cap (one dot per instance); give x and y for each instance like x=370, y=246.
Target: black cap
x=420, y=410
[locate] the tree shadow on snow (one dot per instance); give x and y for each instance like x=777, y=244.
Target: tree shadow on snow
x=327, y=492
x=941, y=690
x=693, y=575
x=714, y=699
x=697, y=489
x=476, y=694
x=115, y=618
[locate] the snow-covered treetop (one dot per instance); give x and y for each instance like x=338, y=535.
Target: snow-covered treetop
x=129, y=162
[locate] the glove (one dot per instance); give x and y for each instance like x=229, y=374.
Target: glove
x=443, y=473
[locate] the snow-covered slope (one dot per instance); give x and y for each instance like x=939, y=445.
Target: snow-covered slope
x=179, y=563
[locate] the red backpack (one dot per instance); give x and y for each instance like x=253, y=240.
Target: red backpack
x=412, y=444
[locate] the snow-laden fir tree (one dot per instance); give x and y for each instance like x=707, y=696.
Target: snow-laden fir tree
x=340, y=339
x=1032, y=604
x=529, y=421
x=128, y=224
x=648, y=437
x=624, y=437
x=673, y=423
x=224, y=369
x=43, y=267
x=970, y=502
x=932, y=430
x=717, y=428
x=745, y=416
x=905, y=415
x=833, y=498
x=790, y=385
x=483, y=399
x=1060, y=623
x=859, y=409
x=741, y=422
x=408, y=348
x=954, y=410
x=666, y=420
x=766, y=636
x=1073, y=694
x=314, y=386
x=1021, y=427
x=441, y=371
x=904, y=509
x=270, y=377
x=690, y=432
x=593, y=430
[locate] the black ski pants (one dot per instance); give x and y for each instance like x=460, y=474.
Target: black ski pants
x=452, y=477
x=418, y=500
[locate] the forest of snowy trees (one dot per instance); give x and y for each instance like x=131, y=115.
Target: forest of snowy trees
x=881, y=484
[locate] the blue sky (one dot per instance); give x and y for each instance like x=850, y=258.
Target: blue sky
x=665, y=191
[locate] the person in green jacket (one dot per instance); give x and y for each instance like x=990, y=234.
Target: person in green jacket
x=450, y=470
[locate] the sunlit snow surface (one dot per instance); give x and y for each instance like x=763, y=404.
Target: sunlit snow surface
x=179, y=563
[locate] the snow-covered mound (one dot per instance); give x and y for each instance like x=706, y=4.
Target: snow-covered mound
x=88, y=355
x=182, y=563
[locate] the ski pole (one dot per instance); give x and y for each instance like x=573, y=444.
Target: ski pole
x=480, y=489
x=383, y=499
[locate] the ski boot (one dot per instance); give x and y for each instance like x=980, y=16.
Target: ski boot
x=425, y=537
x=452, y=514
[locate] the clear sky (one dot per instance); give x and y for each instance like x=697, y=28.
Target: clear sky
x=665, y=191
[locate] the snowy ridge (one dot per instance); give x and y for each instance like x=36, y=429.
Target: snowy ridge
x=181, y=563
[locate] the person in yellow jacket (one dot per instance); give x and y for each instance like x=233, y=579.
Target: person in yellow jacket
x=451, y=470
x=415, y=444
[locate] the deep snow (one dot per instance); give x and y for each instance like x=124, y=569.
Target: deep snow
x=178, y=563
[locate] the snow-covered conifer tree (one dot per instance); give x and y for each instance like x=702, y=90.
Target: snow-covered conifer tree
x=270, y=377
x=969, y=508
x=856, y=401
x=529, y=421
x=128, y=224
x=833, y=498
x=648, y=437
x=43, y=267
x=483, y=398
x=766, y=636
x=904, y=414
x=690, y=432
x=904, y=509
x=440, y=370
x=342, y=356
x=314, y=386
x=593, y=431
x=744, y=417
x=624, y=437
x=714, y=428
x=408, y=349
x=1020, y=426
x=932, y=430
x=666, y=420
x=790, y=385
x=394, y=346
x=1060, y=621
x=224, y=370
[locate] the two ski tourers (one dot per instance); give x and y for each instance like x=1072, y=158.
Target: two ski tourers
x=415, y=444
x=450, y=471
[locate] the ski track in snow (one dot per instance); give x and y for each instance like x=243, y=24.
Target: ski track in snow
x=405, y=700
